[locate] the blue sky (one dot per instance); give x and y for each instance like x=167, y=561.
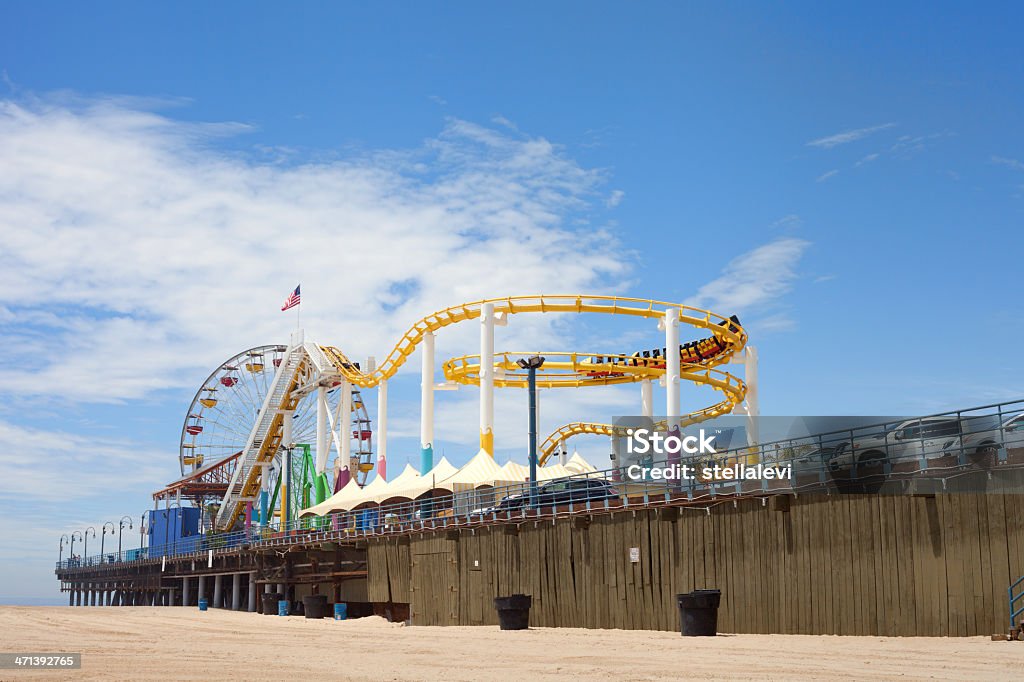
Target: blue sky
x=850, y=181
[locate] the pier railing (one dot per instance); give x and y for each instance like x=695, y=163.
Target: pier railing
x=973, y=451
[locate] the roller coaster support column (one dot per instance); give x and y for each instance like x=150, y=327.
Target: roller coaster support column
x=427, y=405
x=646, y=399
x=382, y=430
x=323, y=445
x=487, y=378
x=672, y=378
x=345, y=433
x=753, y=410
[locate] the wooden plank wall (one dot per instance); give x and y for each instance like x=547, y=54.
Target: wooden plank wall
x=845, y=565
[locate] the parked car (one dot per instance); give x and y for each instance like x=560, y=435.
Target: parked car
x=982, y=447
x=909, y=442
x=556, y=492
x=575, y=490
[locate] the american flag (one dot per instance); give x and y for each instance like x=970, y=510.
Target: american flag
x=293, y=300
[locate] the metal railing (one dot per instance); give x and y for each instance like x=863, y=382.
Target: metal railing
x=865, y=459
x=1014, y=613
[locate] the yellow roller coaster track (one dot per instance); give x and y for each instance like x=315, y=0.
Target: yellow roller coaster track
x=566, y=369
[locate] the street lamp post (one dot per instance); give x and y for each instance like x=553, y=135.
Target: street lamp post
x=120, y=532
x=103, y=538
x=85, y=552
x=73, y=542
x=60, y=555
x=142, y=530
x=531, y=365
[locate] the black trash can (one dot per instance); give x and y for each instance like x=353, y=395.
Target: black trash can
x=315, y=605
x=514, y=611
x=270, y=600
x=698, y=613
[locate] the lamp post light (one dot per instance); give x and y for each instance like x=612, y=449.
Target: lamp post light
x=73, y=542
x=142, y=530
x=120, y=532
x=85, y=552
x=103, y=537
x=60, y=555
x=531, y=365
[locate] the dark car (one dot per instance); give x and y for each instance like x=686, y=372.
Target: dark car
x=557, y=492
x=575, y=491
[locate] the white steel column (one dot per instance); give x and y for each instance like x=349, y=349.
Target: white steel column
x=323, y=445
x=345, y=427
x=646, y=399
x=753, y=410
x=427, y=404
x=382, y=429
x=672, y=367
x=487, y=378
x=236, y=591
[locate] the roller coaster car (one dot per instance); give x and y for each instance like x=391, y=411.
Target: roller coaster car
x=600, y=374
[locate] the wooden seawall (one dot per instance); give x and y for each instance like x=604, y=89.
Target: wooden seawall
x=842, y=564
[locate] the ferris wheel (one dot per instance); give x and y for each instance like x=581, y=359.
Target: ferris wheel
x=225, y=408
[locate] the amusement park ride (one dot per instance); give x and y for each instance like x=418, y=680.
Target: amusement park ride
x=258, y=438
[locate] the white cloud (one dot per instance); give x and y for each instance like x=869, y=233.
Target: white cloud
x=69, y=468
x=615, y=198
x=134, y=255
x=826, y=176
x=847, y=136
x=1009, y=163
x=754, y=279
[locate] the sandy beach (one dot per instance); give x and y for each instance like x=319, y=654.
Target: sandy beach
x=186, y=644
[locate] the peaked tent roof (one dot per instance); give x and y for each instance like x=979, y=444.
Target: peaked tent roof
x=515, y=472
x=416, y=487
x=350, y=490
x=409, y=474
x=580, y=465
x=555, y=471
x=481, y=470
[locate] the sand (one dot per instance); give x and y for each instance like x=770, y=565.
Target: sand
x=143, y=643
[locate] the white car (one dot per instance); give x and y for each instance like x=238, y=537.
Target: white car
x=914, y=441
x=982, y=447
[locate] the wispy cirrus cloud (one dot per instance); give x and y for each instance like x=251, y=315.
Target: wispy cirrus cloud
x=847, y=136
x=1008, y=162
x=827, y=175
x=127, y=236
x=755, y=279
